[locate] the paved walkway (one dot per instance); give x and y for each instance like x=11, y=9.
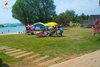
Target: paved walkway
x=88, y=60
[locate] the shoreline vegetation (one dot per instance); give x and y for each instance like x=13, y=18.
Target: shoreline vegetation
x=1, y=25
x=10, y=25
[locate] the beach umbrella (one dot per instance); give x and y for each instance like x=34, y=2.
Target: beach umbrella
x=29, y=26
x=51, y=24
x=39, y=24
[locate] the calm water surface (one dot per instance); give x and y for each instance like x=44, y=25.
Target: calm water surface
x=6, y=30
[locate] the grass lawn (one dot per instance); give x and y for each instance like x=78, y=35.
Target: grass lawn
x=76, y=41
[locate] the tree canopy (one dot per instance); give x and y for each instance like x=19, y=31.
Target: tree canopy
x=70, y=15
x=1, y=25
x=65, y=17
x=30, y=11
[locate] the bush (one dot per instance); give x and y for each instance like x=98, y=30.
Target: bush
x=1, y=25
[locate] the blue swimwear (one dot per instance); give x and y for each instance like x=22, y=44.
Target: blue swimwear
x=61, y=31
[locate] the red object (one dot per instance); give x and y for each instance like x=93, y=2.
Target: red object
x=29, y=26
x=96, y=27
x=42, y=34
x=6, y=4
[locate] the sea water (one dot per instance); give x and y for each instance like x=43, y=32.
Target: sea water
x=7, y=30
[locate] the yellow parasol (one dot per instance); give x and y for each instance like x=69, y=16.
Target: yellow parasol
x=51, y=24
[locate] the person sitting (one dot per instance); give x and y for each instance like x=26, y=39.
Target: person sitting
x=42, y=34
x=53, y=31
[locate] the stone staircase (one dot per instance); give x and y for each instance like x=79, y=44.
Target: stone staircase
x=29, y=59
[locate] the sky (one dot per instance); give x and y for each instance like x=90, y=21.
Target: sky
x=88, y=7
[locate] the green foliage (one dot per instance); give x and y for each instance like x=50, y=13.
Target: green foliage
x=79, y=19
x=83, y=17
x=65, y=17
x=1, y=25
x=30, y=11
x=8, y=59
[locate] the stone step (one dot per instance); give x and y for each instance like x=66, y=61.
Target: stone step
x=13, y=51
x=39, y=59
x=3, y=48
x=45, y=63
x=16, y=54
x=31, y=57
x=7, y=50
x=6, y=47
x=23, y=55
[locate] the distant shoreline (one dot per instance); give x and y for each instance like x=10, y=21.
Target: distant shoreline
x=11, y=33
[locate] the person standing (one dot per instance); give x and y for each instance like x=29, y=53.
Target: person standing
x=8, y=31
x=61, y=31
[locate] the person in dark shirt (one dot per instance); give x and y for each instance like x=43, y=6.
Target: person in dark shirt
x=3, y=64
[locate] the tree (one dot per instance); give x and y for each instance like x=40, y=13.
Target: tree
x=65, y=17
x=83, y=16
x=69, y=15
x=1, y=25
x=30, y=11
